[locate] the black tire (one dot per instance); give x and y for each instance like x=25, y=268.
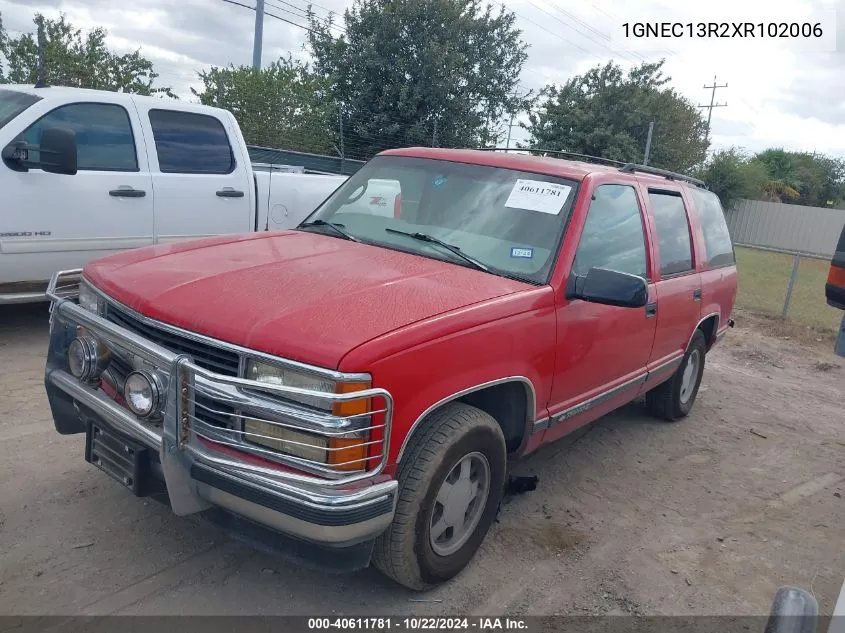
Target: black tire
x=665, y=401
x=404, y=552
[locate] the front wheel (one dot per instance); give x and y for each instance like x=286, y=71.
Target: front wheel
x=451, y=482
x=673, y=399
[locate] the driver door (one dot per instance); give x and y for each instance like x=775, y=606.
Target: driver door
x=602, y=351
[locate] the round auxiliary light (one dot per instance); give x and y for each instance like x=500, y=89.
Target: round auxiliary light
x=142, y=392
x=82, y=357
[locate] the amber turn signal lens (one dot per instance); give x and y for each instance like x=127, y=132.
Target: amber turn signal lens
x=352, y=407
x=348, y=453
x=836, y=276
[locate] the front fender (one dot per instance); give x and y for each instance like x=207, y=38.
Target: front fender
x=519, y=348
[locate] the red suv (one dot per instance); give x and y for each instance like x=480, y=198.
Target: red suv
x=361, y=383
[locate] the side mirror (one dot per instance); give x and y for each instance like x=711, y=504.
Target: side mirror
x=794, y=610
x=58, y=151
x=609, y=287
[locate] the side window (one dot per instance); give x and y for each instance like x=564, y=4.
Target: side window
x=613, y=235
x=670, y=218
x=104, y=137
x=717, y=239
x=188, y=143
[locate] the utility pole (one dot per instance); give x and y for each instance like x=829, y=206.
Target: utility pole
x=648, y=143
x=510, y=129
x=434, y=136
x=40, y=80
x=342, y=149
x=713, y=104
x=258, y=37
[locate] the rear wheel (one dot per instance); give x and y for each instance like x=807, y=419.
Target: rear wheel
x=674, y=399
x=451, y=481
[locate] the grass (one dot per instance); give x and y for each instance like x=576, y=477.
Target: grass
x=763, y=280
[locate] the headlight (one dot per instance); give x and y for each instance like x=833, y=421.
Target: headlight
x=342, y=452
x=142, y=392
x=305, y=445
x=282, y=376
x=87, y=358
x=337, y=453
x=88, y=298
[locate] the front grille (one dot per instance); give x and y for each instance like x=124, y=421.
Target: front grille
x=206, y=356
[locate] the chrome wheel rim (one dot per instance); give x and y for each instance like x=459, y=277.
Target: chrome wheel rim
x=459, y=504
x=690, y=376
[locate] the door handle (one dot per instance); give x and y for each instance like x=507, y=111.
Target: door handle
x=696, y=294
x=127, y=192
x=650, y=310
x=228, y=192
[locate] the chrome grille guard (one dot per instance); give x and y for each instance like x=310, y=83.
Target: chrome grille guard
x=184, y=437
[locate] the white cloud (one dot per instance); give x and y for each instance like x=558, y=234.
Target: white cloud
x=775, y=96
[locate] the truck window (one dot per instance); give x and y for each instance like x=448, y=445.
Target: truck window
x=12, y=103
x=103, y=135
x=613, y=235
x=188, y=143
x=673, y=234
x=717, y=239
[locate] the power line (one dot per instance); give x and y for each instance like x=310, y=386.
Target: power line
x=614, y=18
x=268, y=14
x=541, y=27
x=580, y=32
x=302, y=13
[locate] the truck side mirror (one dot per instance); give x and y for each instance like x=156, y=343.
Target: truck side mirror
x=608, y=287
x=58, y=151
x=793, y=610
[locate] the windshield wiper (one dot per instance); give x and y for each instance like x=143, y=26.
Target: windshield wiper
x=425, y=237
x=338, y=228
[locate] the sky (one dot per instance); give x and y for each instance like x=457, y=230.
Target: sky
x=778, y=94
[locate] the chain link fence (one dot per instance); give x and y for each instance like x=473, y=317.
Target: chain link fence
x=786, y=285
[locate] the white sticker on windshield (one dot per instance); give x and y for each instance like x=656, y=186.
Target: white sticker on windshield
x=538, y=195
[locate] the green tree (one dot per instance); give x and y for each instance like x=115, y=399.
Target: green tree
x=3, y=39
x=71, y=59
x=605, y=112
x=731, y=175
x=419, y=72
x=809, y=179
x=281, y=105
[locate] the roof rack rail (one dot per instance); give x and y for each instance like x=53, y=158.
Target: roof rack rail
x=554, y=152
x=656, y=171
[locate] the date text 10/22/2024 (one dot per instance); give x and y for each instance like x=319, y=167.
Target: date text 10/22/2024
x=417, y=624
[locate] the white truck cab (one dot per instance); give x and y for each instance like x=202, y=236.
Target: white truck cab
x=147, y=171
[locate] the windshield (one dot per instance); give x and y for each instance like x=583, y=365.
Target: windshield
x=510, y=222
x=12, y=103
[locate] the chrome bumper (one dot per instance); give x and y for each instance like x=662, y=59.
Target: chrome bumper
x=336, y=512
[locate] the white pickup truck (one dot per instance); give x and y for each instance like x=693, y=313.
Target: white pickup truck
x=86, y=173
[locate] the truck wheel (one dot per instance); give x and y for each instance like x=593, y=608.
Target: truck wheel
x=673, y=399
x=451, y=481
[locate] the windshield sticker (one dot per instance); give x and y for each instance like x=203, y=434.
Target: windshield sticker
x=522, y=252
x=439, y=181
x=538, y=195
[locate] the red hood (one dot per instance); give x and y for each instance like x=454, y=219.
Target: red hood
x=298, y=295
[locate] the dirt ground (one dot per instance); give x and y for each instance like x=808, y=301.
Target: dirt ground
x=706, y=516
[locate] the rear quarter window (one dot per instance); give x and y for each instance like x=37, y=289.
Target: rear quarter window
x=189, y=143
x=674, y=243
x=717, y=238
